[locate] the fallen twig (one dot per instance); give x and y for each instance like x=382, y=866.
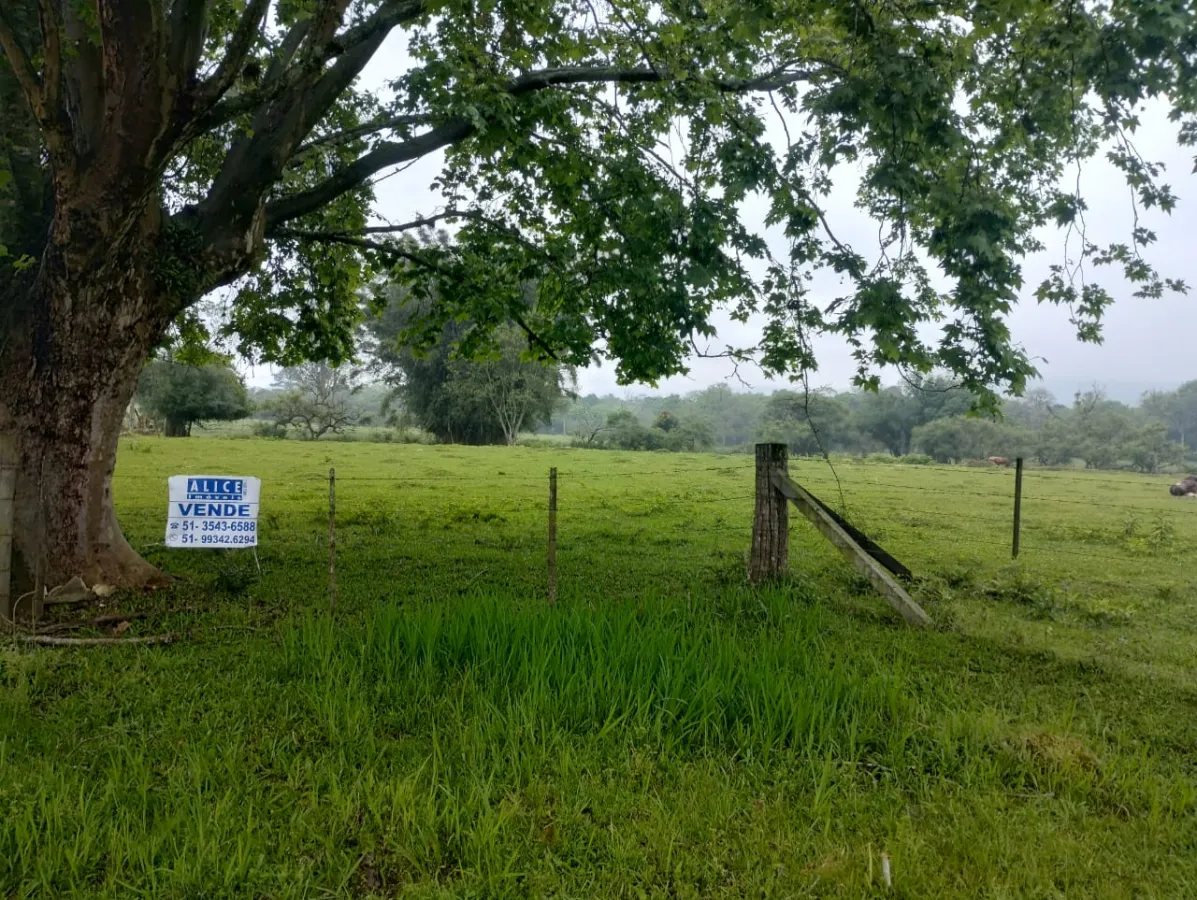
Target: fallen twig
x=52, y=641
x=113, y=619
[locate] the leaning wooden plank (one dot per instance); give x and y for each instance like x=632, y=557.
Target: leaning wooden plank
x=869, y=545
x=855, y=554
x=52, y=641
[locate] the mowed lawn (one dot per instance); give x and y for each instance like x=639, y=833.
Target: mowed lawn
x=664, y=731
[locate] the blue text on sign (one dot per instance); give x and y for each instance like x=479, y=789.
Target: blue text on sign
x=227, y=510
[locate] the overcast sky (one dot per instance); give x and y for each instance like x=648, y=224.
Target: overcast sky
x=1146, y=342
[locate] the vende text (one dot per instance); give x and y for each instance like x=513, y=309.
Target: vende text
x=225, y=510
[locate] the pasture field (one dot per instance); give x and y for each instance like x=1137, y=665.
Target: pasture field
x=664, y=731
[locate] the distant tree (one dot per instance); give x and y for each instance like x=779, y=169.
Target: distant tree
x=937, y=397
x=1102, y=428
x=1058, y=442
x=625, y=432
x=1150, y=450
x=889, y=416
x=520, y=391
x=955, y=439
x=1034, y=409
x=733, y=416
x=959, y=438
x=1177, y=410
x=666, y=421
x=589, y=423
x=316, y=399
x=690, y=436
x=178, y=395
x=807, y=423
x=484, y=394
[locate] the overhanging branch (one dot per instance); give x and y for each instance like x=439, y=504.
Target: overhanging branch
x=533, y=336
x=372, y=127
x=357, y=172
x=414, y=224
x=457, y=130
x=394, y=250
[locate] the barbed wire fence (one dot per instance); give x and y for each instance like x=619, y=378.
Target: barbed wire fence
x=621, y=531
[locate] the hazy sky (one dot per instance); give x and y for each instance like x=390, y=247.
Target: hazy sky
x=1145, y=343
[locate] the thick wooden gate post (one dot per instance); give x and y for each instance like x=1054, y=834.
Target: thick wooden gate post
x=771, y=521
x=8, y=486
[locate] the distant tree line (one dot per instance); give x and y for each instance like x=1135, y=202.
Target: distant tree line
x=927, y=416
x=508, y=391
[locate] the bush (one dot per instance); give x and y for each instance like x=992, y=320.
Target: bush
x=918, y=459
x=264, y=429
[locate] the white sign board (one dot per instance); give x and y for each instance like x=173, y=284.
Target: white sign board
x=213, y=511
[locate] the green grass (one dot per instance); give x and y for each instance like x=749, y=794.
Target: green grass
x=665, y=731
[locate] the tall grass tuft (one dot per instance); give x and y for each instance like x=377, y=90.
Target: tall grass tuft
x=668, y=674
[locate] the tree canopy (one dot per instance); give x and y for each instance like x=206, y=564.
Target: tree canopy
x=315, y=399
x=179, y=395
x=488, y=400
x=554, y=117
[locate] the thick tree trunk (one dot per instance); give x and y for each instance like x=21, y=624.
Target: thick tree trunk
x=177, y=428
x=67, y=375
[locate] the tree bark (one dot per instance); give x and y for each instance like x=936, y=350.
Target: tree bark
x=770, y=555
x=68, y=369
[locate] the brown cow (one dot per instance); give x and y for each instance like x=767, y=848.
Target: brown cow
x=999, y=461
x=1185, y=488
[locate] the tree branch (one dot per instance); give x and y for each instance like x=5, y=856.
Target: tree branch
x=238, y=50
x=371, y=127
x=27, y=77
x=357, y=172
x=282, y=75
x=414, y=224
x=286, y=51
x=52, y=57
x=186, y=38
x=394, y=250
x=53, y=641
x=533, y=336
x=457, y=130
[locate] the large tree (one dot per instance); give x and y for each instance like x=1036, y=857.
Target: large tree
x=488, y=400
x=178, y=394
x=152, y=151
x=813, y=422
x=1177, y=410
x=315, y=399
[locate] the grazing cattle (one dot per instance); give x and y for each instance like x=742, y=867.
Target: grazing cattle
x=1185, y=488
x=999, y=461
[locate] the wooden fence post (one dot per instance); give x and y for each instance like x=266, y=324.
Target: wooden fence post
x=332, y=540
x=552, y=536
x=771, y=519
x=8, y=486
x=1017, y=504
